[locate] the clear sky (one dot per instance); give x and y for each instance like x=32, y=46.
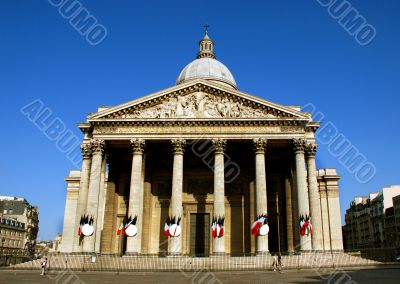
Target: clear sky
x=289, y=52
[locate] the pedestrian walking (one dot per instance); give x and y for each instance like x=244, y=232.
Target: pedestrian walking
x=279, y=262
x=43, y=265
x=274, y=262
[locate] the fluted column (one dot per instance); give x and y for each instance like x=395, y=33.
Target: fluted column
x=133, y=244
x=302, y=194
x=97, y=148
x=101, y=206
x=313, y=195
x=219, y=190
x=83, y=192
x=260, y=146
x=178, y=149
x=289, y=215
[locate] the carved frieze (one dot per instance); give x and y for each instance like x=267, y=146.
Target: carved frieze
x=199, y=105
x=173, y=129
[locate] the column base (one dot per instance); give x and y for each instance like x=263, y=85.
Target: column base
x=219, y=254
x=174, y=254
x=131, y=254
x=263, y=253
x=304, y=252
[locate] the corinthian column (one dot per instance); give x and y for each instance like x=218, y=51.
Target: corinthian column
x=83, y=192
x=260, y=146
x=219, y=191
x=302, y=194
x=178, y=148
x=133, y=244
x=289, y=215
x=313, y=195
x=97, y=147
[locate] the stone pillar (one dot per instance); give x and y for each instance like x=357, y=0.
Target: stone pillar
x=252, y=194
x=302, y=194
x=295, y=223
x=100, y=210
x=260, y=146
x=289, y=215
x=178, y=148
x=71, y=202
x=313, y=195
x=83, y=192
x=325, y=218
x=97, y=147
x=331, y=180
x=133, y=244
x=219, y=191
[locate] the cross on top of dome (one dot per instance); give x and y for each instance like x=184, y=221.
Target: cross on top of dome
x=206, y=46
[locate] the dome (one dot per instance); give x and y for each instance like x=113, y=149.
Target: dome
x=206, y=66
x=209, y=69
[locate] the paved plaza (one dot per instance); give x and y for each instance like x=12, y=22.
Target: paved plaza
x=387, y=275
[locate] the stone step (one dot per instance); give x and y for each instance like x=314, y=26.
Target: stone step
x=226, y=263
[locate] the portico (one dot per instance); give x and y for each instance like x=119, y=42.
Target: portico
x=198, y=150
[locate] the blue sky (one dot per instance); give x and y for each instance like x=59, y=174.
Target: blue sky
x=289, y=52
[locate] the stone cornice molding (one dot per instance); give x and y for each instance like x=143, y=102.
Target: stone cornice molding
x=260, y=145
x=299, y=145
x=178, y=146
x=199, y=122
x=86, y=150
x=98, y=146
x=137, y=146
x=219, y=145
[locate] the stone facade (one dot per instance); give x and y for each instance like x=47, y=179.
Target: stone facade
x=20, y=210
x=371, y=221
x=199, y=150
x=12, y=234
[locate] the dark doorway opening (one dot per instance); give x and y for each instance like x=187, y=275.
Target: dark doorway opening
x=200, y=234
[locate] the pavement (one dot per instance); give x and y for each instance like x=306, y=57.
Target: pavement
x=331, y=276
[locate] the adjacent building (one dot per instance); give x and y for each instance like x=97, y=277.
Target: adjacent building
x=370, y=222
x=396, y=207
x=12, y=235
x=19, y=209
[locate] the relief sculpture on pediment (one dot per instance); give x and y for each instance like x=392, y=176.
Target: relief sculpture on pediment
x=200, y=105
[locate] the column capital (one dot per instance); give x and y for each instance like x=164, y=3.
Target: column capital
x=311, y=149
x=97, y=146
x=137, y=146
x=86, y=150
x=260, y=145
x=178, y=146
x=219, y=145
x=299, y=145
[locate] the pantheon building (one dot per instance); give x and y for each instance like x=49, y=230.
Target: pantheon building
x=199, y=150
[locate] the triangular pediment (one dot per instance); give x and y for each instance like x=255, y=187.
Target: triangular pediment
x=199, y=99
